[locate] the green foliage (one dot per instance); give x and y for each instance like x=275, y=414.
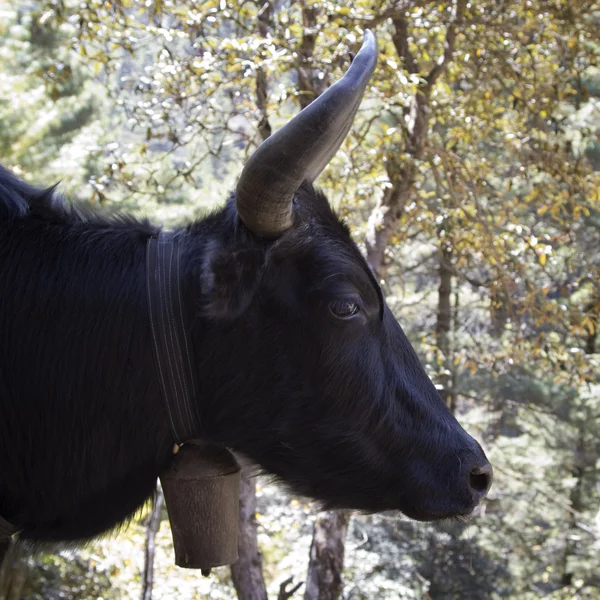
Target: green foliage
x=48, y=105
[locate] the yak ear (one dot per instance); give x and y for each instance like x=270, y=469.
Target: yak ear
x=229, y=280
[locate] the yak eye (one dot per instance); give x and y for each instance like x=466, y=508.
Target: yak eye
x=343, y=309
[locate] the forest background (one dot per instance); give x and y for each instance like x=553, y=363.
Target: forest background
x=471, y=180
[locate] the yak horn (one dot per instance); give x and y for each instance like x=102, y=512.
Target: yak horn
x=301, y=149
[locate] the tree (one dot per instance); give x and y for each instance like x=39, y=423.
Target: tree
x=48, y=100
x=324, y=577
x=152, y=526
x=247, y=572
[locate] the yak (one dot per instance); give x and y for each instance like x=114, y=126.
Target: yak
x=301, y=366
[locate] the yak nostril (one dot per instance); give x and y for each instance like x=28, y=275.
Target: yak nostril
x=478, y=481
x=480, y=478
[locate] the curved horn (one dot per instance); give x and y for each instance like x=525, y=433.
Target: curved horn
x=301, y=149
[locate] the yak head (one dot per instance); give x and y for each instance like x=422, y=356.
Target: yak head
x=304, y=367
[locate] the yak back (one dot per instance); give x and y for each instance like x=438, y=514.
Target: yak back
x=76, y=367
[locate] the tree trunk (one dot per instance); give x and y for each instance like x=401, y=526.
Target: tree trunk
x=4, y=546
x=308, y=88
x=577, y=504
x=584, y=464
x=151, y=529
x=264, y=127
x=443, y=327
x=324, y=578
x=384, y=218
x=246, y=573
x=12, y=572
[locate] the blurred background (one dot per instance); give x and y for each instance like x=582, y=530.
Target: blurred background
x=471, y=180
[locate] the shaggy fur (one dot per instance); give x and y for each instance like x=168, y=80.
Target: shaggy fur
x=339, y=409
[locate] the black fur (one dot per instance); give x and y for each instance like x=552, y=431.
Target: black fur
x=341, y=410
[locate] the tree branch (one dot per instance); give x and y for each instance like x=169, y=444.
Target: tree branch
x=152, y=526
x=443, y=61
x=396, y=10
x=284, y=592
x=400, y=40
x=264, y=127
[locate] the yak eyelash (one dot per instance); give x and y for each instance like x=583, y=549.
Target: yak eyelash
x=344, y=309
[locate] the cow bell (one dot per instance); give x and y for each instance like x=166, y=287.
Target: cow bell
x=201, y=489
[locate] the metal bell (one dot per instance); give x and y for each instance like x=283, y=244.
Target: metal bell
x=201, y=489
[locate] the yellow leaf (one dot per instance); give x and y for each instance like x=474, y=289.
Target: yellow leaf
x=588, y=324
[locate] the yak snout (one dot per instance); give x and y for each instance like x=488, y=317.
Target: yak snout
x=452, y=486
x=475, y=474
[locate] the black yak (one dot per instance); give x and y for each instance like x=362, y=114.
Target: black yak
x=300, y=364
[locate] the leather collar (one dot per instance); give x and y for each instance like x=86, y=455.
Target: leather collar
x=173, y=351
